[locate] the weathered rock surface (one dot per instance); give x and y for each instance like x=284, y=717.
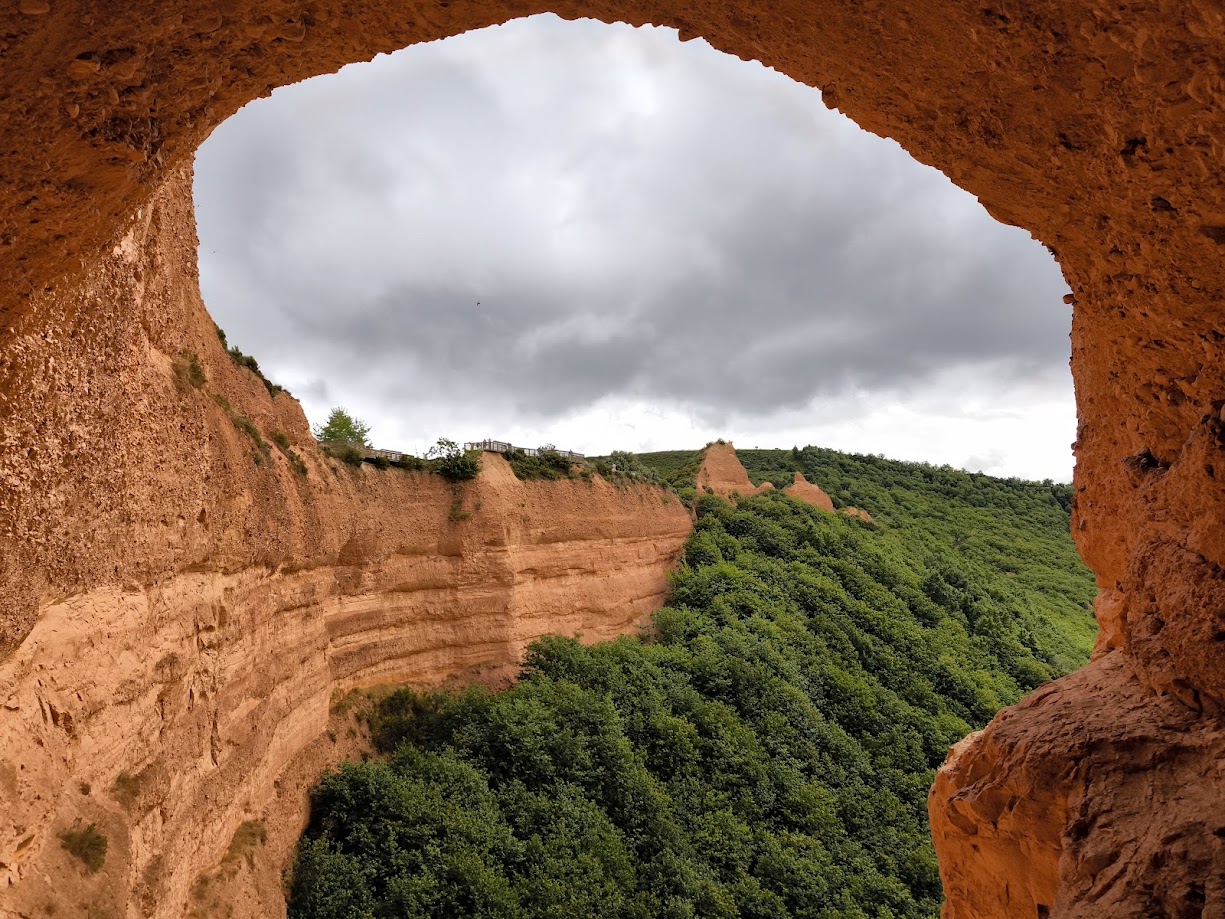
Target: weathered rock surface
x=201, y=688
x=722, y=474
x=181, y=604
x=1096, y=125
x=803, y=490
x=1090, y=798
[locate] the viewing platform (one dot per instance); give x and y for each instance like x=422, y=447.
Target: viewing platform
x=501, y=446
x=392, y=456
x=484, y=446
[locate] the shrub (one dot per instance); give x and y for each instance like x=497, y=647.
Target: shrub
x=380, y=462
x=247, y=426
x=188, y=372
x=282, y=443
x=246, y=360
x=546, y=464
x=452, y=462
x=346, y=453
x=126, y=789
x=622, y=467
x=457, y=512
x=629, y=465
x=88, y=845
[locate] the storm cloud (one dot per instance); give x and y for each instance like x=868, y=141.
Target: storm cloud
x=514, y=227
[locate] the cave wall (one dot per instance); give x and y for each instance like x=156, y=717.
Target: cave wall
x=1095, y=125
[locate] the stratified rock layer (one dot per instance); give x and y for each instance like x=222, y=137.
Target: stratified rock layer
x=1093, y=124
x=201, y=688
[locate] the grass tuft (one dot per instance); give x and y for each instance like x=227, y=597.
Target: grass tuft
x=88, y=845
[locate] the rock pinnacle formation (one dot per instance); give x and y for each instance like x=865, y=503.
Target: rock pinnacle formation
x=722, y=474
x=803, y=490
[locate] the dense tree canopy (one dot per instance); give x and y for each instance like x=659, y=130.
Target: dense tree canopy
x=764, y=750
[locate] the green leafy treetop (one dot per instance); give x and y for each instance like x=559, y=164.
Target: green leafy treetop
x=342, y=427
x=451, y=461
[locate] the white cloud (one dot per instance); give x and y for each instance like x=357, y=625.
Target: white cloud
x=600, y=237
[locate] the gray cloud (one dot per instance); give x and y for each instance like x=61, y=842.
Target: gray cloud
x=533, y=218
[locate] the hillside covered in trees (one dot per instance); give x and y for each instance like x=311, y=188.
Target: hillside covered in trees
x=764, y=749
x=1009, y=537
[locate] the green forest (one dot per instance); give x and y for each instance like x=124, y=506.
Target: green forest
x=763, y=749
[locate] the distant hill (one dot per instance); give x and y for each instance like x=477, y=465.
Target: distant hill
x=1013, y=536
x=675, y=468
x=763, y=750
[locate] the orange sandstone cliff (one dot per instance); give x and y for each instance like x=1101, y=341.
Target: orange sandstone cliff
x=171, y=610
x=181, y=604
x=723, y=474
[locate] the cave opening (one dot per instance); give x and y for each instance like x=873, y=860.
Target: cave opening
x=602, y=237
x=1097, y=130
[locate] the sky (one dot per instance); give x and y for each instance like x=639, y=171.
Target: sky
x=600, y=237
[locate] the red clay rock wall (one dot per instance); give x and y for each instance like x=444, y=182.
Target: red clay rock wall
x=1095, y=125
x=722, y=474
x=1091, y=798
x=803, y=490
x=180, y=604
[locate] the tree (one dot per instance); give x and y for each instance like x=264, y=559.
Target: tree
x=342, y=427
x=451, y=461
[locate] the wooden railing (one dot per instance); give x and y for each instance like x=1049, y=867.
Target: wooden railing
x=393, y=456
x=486, y=446
x=501, y=446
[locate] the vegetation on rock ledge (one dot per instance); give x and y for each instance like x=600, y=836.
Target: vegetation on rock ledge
x=545, y=464
x=246, y=360
x=451, y=461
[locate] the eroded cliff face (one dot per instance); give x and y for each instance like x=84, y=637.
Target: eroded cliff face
x=176, y=629
x=1095, y=125
x=180, y=704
